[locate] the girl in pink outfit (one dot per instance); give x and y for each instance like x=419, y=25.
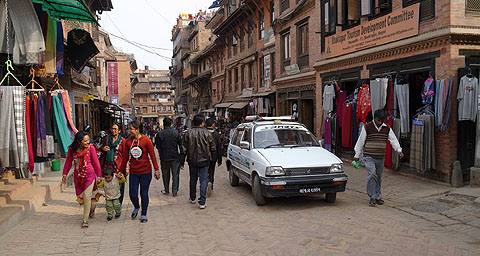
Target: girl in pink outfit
x=87, y=172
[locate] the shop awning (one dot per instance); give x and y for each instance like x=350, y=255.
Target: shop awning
x=238, y=105
x=210, y=110
x=67, y=10
x=223, y=105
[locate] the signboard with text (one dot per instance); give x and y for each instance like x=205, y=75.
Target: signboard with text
x=114, y=100
x=392, y=27
x=112, y=76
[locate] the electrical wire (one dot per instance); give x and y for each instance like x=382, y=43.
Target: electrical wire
x=155, y=10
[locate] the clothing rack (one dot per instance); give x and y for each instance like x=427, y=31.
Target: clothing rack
x=32, y=83
x=9, y=74
x=427, y=109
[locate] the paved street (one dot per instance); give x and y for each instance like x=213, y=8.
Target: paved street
x=233, y=225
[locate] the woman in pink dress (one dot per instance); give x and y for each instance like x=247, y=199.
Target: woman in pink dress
x=87, y=172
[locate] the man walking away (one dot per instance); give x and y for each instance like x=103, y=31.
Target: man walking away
x=373, y=142
x=199, y=147
x=217, y=158
x=168, y=143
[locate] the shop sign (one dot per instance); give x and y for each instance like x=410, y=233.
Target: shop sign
x=87, y=98
x=292, y=69
x=114, y=100
x=112, y=77
x=395, y=26
x=266, y=65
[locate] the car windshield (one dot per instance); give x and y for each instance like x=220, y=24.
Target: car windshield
x=270, y=138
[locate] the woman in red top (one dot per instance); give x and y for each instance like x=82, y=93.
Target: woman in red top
x=87, y=171
x=139, y=147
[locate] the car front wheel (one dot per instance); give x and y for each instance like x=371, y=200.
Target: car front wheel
x=257, y=192
x=331, y=197
x=232, y=177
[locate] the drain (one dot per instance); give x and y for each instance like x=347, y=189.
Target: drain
x=431, y=207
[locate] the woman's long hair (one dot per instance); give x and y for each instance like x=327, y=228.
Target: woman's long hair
x=137, y=125
x=77, y=141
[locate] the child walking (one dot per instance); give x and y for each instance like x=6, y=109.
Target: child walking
x=111, y=184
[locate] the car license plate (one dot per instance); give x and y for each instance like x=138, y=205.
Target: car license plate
x=310, y=190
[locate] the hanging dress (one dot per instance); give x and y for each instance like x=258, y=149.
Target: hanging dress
x=364, y=104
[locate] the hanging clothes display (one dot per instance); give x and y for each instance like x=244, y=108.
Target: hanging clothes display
x=364, y=103
x=328, y=96
x=28, y=107
x=9, y=152
x=19, y=109
x=403, y=100
x=422, y=148
x=80, y=48
x=340, y=102
x=378, y=91
x=355, y=124
x=396, y=129
x=48, y=128
x=467, y=96
x=60, y=124
x=41, y=128
x=51, y=46
x=68, y=111
x=328, y=134
x=416, y=145
x=447, y=113
x=428, y=91
x=26, y=38
x=60, y=48
x=347, y=125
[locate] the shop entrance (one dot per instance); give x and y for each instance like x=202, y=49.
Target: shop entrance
x=307, y=114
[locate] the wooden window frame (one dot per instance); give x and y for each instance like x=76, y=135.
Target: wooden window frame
x=284, y=5
x=406, y=3
x=302, y=42
x=285, y=59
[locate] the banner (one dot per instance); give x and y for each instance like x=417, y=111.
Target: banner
x=395, y=26
x=112, y=76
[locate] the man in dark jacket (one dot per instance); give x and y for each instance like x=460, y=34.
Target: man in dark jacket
x=200, y=149
x=217, y=158
x=168, y=143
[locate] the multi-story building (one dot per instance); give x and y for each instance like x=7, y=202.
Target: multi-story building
x=126, y=66
x=243, y=54
x=180, y=33
x=153, y=97
x=197, y=71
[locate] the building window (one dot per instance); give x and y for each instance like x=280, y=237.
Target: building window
x=427, y=8
x=144, y=109
x=329, y=19
x=262, y=72
x=472, y=7
x=243, y=76
x=261, y=25
x=242, y=42
x=153, y=108
x=169, y=108
x=250, y=38
x=141, y=75
x=153, y=86
x=153, y=97
x=272, y=65
x=380, y=8
x=272, y=12
x=214, y=93
x=302, y=45
x=284, y=5
x=235, y=77
x=229, y=81
x=164, y=86
x=234, y=44
x=252, y=74
x=164, y=108
x=285, y=50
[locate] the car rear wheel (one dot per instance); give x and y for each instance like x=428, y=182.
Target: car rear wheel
x=257, y=192
x=232, y=177
x=331, y=197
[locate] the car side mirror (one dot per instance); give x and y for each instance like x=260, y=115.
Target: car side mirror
x=321, y=142
x=245, y=145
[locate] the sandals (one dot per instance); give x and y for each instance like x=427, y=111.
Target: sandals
x=85, y=224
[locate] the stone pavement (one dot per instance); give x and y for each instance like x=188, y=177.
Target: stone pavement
x=233, y=225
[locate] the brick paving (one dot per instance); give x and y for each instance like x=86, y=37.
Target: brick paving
x=233, y=225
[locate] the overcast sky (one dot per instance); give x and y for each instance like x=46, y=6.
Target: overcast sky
x=148, y=22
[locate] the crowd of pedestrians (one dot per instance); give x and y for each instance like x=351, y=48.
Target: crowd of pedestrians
x=134, y=158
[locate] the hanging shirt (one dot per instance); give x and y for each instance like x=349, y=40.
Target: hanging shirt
x=364, y=103
x=427, y=91
x=328, y=95
x=467, y=95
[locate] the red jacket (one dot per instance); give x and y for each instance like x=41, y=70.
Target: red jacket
x=141, y=164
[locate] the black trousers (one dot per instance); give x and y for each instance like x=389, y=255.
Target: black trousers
x=167, y=168
x=211, y=172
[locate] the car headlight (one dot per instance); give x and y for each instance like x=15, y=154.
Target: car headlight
x=336, y=168
x=274, y=171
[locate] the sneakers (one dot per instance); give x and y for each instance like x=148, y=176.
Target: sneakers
x=117, y=215
x=109, y=218
x=192, y=201
x=209, y=189
x=203, y=206
x=174, y=194
x=165, y=192
x=373, y=202
x=143, y=219
x=135, y=213
x=379, y=201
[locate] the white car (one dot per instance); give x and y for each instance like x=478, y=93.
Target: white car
x=282, y=158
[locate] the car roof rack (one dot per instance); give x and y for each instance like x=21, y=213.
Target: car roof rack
x=270, y=118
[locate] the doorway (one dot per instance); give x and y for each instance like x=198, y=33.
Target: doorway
x=307, y=114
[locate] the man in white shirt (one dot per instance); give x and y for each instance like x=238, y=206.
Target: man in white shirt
x=373, y=143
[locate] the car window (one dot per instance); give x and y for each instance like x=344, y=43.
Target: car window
x=246, y=135
x=266, y=137
x=238, y=138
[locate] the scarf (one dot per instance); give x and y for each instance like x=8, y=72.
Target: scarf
x=110, y=159
x=81, y=163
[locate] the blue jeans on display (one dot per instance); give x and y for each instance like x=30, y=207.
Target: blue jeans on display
x=374, y=177
x=142, y=180
x=202, y=173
